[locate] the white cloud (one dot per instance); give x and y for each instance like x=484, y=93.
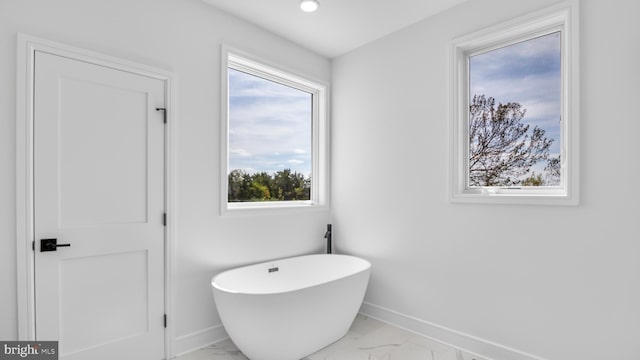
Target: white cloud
x=239, y=152
x=270, y=123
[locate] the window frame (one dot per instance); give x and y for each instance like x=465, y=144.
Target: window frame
x=241, y=61
x=562, y=18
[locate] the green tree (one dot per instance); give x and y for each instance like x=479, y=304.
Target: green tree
x=262, y=186
x=264, y=182
x=533, y=180
x=502, y=150
x=238, y=185
x=258, y=192
x=291, y=185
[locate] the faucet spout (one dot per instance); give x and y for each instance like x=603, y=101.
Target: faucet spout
x=327, y=236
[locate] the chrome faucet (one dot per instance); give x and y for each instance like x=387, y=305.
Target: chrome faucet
x=327, y=236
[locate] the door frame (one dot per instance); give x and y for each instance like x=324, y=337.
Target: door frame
x=25, y=254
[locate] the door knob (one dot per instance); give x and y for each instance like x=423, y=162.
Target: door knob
x=51, y=245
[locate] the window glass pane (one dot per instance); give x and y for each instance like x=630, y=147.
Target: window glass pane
x=515, y=114
x=270, y=140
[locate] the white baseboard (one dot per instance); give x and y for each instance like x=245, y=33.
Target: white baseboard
x=465, y=342
x=197, y=340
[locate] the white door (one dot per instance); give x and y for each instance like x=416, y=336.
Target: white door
x=99, y=187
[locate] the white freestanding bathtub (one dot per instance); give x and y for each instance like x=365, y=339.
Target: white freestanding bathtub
x=290, y=308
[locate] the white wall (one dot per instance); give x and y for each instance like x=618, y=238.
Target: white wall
x=556, y=282
x=184, y=37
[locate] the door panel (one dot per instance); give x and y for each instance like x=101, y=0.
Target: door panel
x=106, y=182
x=99, y=186
x=124, y=311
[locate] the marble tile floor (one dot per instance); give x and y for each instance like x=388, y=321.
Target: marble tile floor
x=367, y=339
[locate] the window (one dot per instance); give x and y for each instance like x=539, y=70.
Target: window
x=515, y=112
x=274, y=137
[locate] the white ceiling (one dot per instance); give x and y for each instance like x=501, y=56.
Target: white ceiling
x=338, y=26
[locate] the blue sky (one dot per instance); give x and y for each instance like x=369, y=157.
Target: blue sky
x=527, y=73
x=269, y=125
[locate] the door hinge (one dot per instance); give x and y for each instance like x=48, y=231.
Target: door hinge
x=165, y=321
x=33, y=245
x=164, y=112
x=164, y=219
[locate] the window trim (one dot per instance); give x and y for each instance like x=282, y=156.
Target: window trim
x=563, y=18
x=242, y=61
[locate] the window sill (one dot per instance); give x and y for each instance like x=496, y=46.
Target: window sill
x=515, y=196
x=271, y=207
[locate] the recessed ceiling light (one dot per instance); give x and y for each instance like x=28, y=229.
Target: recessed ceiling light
x=309, y=5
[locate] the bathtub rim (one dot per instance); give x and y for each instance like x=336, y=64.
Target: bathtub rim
x=215, y=286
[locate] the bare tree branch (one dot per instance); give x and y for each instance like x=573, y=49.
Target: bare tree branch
x=502, y=150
